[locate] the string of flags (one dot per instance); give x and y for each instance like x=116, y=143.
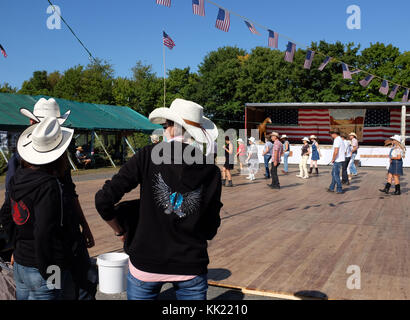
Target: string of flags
x=223, y=23
x=3, y=52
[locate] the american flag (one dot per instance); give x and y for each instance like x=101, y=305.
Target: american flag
x=251, y=27
x=366, y=81
x=223, y=21
x=273, y=39
x=168, y=42
x=393, y=92
x=290, y=52
x=346, y=72
x=384, y=89
x=3, y=51
x=325, y=63
x=164, y=2
x=380, y=124
x=309, y=59
x=198, y=7
x=405, y=95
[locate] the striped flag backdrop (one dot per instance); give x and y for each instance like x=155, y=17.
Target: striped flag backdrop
x=290, y=52
x=164, y=2
x=198, y=7
x=273, y=39
x=223, y=21
x=251, y=27
x=168, y=42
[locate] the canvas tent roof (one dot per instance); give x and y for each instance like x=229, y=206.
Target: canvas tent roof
x=84, y=116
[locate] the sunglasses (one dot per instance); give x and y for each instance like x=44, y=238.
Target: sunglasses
x=167, y=124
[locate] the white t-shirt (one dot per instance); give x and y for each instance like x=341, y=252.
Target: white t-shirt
x=348, y=148
x=338, y=143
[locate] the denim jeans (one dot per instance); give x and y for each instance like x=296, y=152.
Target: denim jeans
x=266, y=159
x=336, y=177
x=285, y=161
x=352, y=166
x=30, y=285
x=194, y=289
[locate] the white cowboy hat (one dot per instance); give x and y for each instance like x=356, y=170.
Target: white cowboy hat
x=305, y=139
x=240, y=140
x=313, y=136
x=45, y=108
x=190, y=116
x=396, y=137
x=275, y=134
x=252, y=139
x=353, y=134
x=44, y=142
x=283, y=136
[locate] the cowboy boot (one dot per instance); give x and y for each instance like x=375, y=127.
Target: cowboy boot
x=386, y=188
x=398, y=191
x=223, y=182
x=230, y=183
x=317, y=170
x=310, y=170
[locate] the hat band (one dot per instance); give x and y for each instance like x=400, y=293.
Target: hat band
x=192, y=123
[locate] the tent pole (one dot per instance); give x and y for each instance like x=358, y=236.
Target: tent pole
x=4, y=156
x=129, y=145
x=102, y=146
x=71, y=162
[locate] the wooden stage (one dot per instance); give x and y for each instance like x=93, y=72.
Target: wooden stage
x=300, y=240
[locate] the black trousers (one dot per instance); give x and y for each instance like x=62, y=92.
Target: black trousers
x=275, y=178
x=345, y=177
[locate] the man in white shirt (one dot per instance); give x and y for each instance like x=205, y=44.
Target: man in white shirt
x=337, y=160
x=348, y=155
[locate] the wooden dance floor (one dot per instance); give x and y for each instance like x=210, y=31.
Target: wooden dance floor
x=300, y=241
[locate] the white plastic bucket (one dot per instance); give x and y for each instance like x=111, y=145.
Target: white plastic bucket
x=112, y=272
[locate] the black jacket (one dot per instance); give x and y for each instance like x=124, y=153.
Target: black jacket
x=179, y=209
x=40, y=237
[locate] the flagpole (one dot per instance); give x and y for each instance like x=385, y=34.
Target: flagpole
x=165, y=88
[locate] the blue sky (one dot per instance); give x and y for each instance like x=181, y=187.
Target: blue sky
x=125, y=31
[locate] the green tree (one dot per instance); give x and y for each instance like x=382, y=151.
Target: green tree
x=38, y=84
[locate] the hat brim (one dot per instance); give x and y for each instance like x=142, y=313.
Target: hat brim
x=29, y=154
x=161, y=115
x=27, y=113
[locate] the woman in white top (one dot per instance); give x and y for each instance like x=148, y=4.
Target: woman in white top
x=397, y=154
x=253, y=159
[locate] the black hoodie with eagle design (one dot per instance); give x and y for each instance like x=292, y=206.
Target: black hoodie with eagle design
x=179, y=208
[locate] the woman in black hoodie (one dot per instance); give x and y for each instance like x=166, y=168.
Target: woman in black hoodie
x=42, y=254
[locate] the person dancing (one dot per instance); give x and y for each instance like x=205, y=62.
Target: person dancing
x=397, y=153
x=305, y=157
x=229, y=163
x=315, y=154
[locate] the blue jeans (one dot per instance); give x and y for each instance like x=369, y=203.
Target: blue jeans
x=285, y=161
x=266, y=159
x=352, y=166
x=30, y=285
x=336, y=177
x=194, y=289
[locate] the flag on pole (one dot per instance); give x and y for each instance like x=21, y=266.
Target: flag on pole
x=251, y=28
x=290, y=52
x=198, y=7
x=223, y=21
x=346, y=72
x=325, y=63
x=168, y=42
x=166, y=3
x=3, y=52
x=384, y=89
x=273, y=39
x=366, y=81
x=309, y=59
x=405, y=95
x=393, y=92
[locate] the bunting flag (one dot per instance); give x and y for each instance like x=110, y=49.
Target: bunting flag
x=251, y=28
x=309, y=59
x=325, y=63
x=405, y=95
x=198, y=7
x=393, y=92
x=273, y=39
x=168, y=42
x=366, y=81
x=166, y=3
x=3, y=52
x=384, y=89
x=355, y=71
x=346, y=72
x=223, y=21
x=290, y=52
